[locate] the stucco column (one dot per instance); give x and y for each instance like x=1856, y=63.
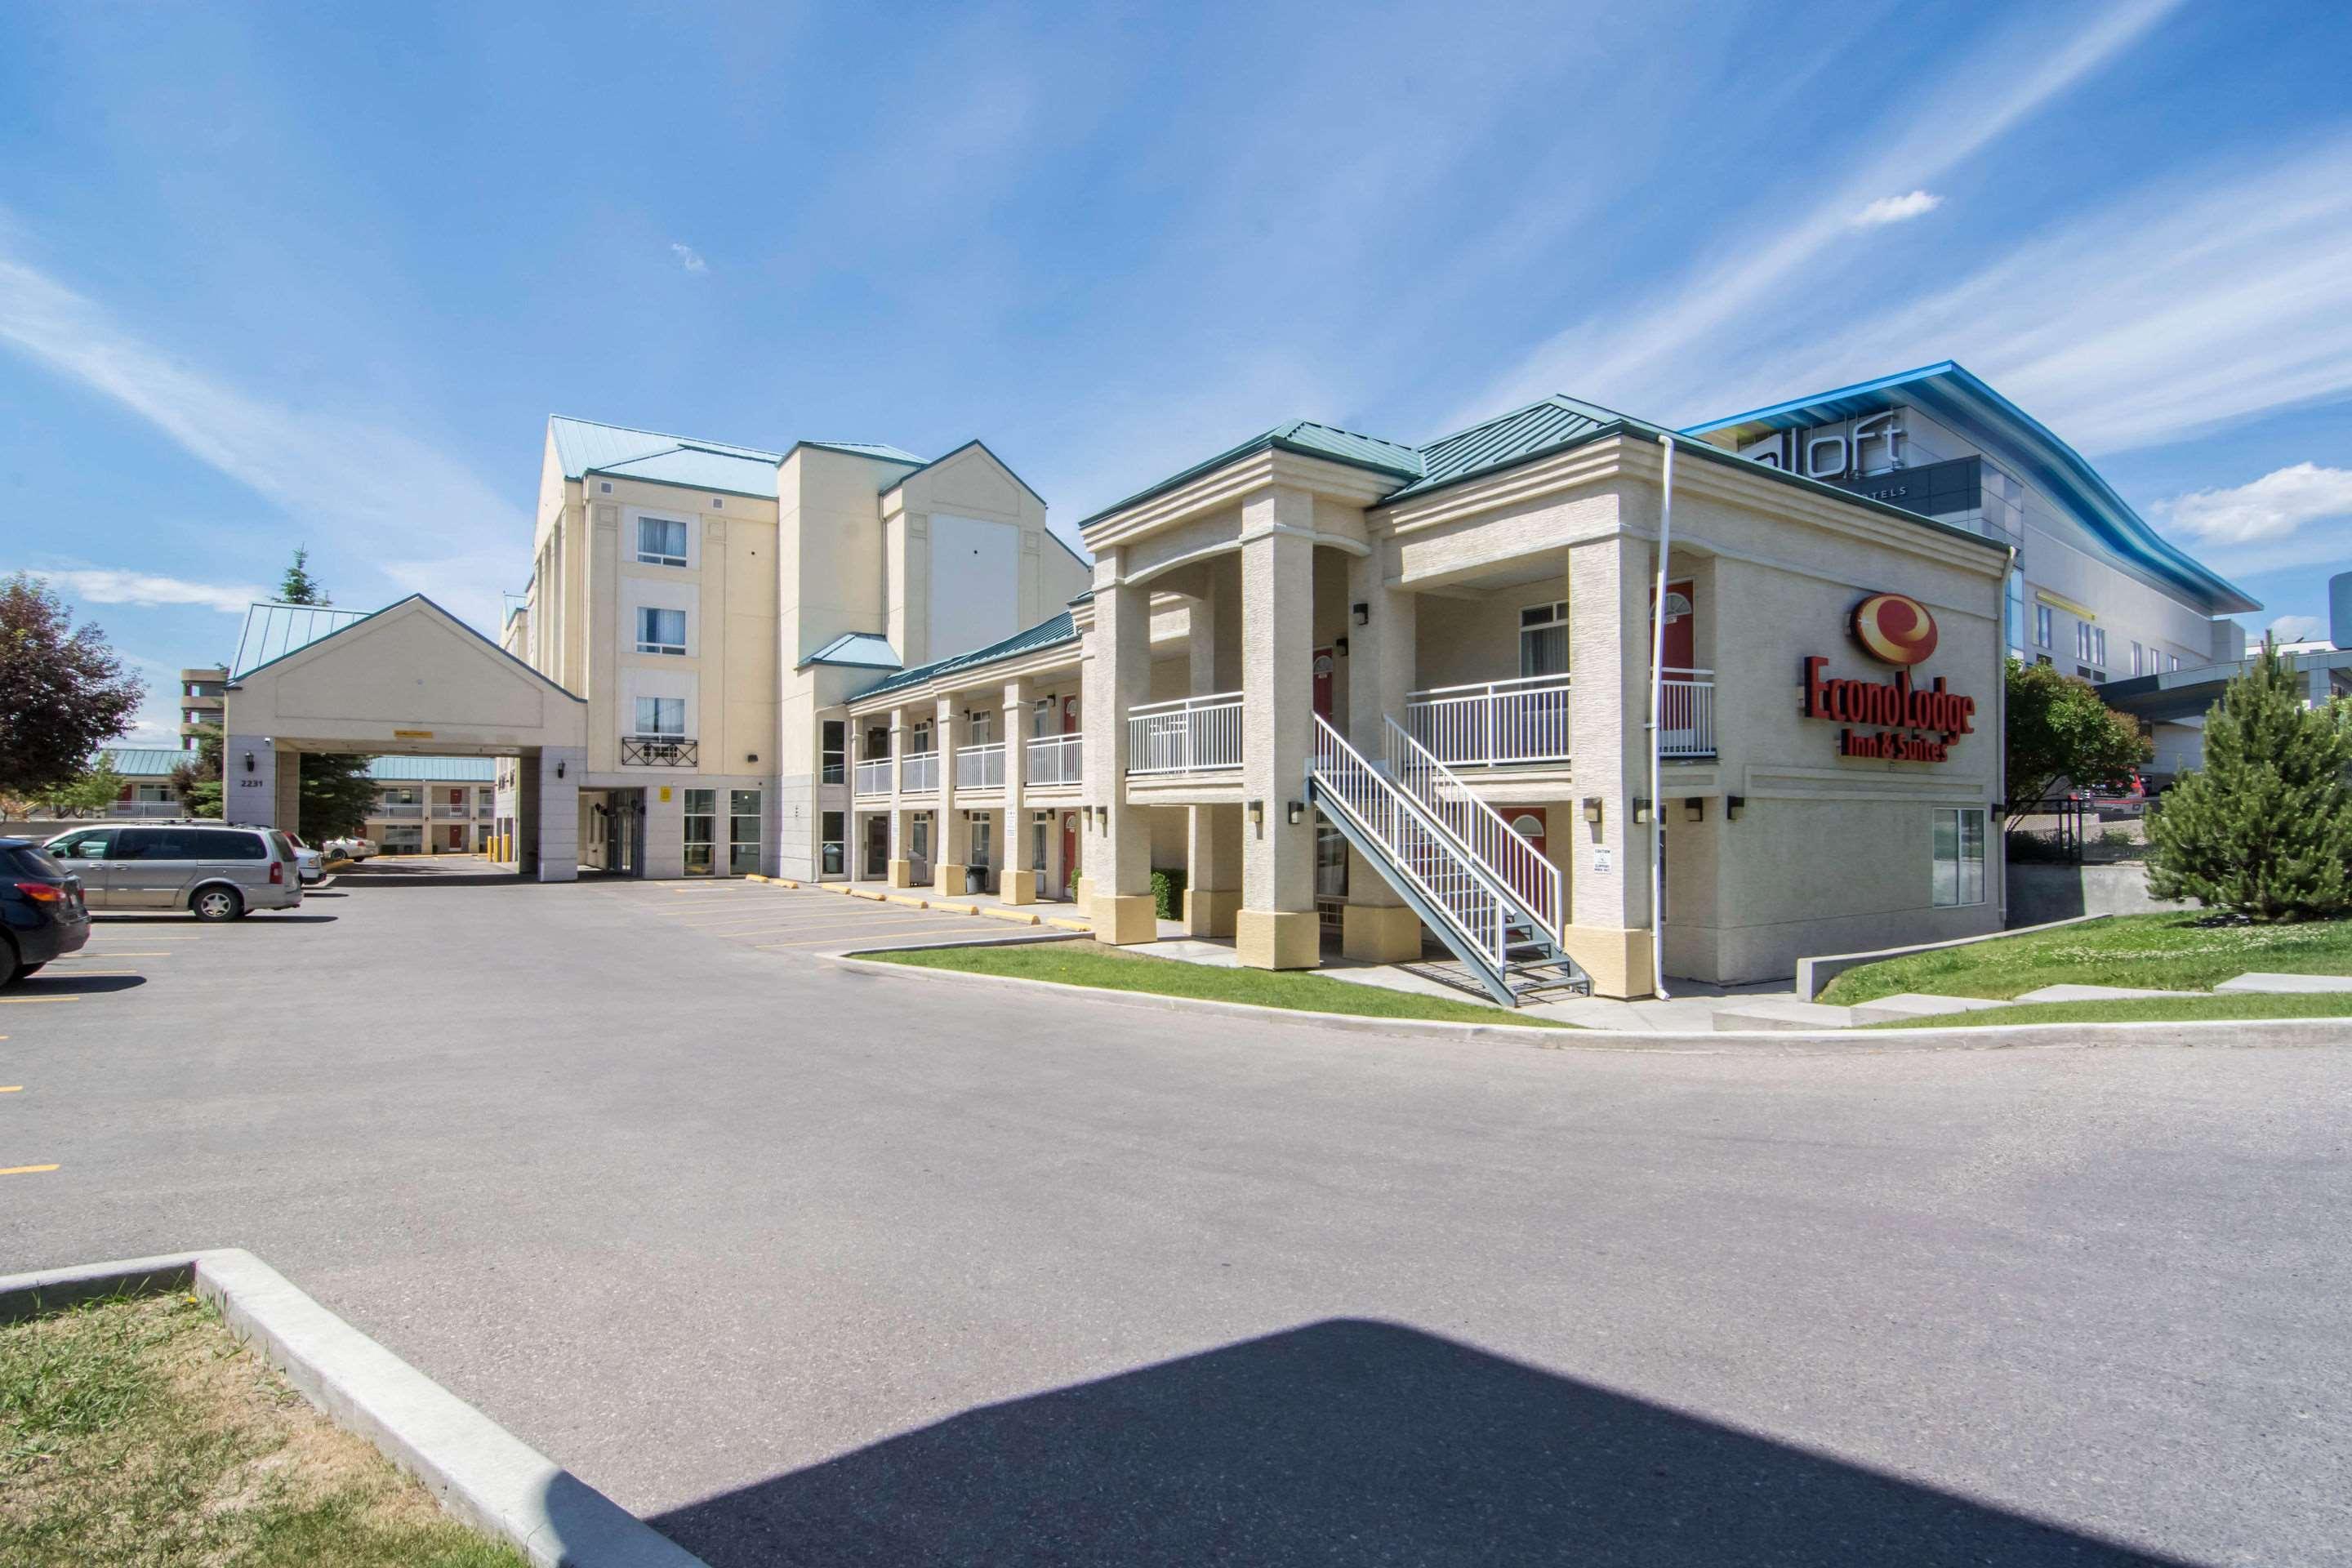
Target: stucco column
x=1608, y=631
x=250, y=796
x=1201, y=644
x=1213, y=870
x=662, y=852
x=556, y=801
x=1376, y=926
x=955, y=833
x=1275, y=927
x=290, y=789
x=1117, y=855
x=1017, y=882
x=901, y=867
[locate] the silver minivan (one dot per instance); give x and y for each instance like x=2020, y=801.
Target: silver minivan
x=216, y=871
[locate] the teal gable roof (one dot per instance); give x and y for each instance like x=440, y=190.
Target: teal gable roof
x=1302, y=436
x=144, y=762
x=274, y=630
x=433, y=770
x=2017, y=439
x=866, y=650
x=869, y=449
x=1045, y=633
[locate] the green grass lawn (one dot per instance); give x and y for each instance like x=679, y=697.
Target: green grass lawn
x=1079, y=963
x=2162, y=952
x=2140, y=1010
x=140, y=1431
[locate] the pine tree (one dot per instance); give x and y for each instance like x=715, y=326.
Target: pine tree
x=336, y=790
x=2264, y=828
x=297, y=586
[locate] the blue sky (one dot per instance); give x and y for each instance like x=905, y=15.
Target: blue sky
x=273, y=276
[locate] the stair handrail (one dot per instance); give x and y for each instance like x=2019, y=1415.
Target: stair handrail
x=1346, y=774
x=1505, y=853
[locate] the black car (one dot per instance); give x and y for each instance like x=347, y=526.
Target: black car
x=42, y=915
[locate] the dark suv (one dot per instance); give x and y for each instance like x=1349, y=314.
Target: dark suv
x=42, y=915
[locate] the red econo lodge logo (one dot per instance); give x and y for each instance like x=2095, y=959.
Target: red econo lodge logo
x=1895, y=629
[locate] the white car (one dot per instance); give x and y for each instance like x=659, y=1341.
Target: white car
x=309, y=864
x=351, y=848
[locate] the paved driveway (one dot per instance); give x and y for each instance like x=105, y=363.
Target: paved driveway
x=822, y=1267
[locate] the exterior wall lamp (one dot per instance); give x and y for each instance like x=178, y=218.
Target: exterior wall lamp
x=1592, y=809
x=1360, y=612
x=1641, y=809
x=248, y=761
x=1298, y=813
x=559, y=767
x=1733, y=804
x=1257, y=814
x=1695, y=809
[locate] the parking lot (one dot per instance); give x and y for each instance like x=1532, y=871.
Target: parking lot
x=826, y=1266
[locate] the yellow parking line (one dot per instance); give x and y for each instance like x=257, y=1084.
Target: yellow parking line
x=10, y=1087
x=893, y=935
x=24, y=1170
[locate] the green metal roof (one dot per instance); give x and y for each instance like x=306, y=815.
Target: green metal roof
x=144, y=762
x=1304, y=436
x=273, y=630
x=433, y=770
x=1061, y=629
x=869, y=449
x=866, y=650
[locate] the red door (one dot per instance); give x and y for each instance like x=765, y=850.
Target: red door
x=1528, y=822
x=1682, y=625
x=1070, y=714
x=1324, y=662
x=1069, y=848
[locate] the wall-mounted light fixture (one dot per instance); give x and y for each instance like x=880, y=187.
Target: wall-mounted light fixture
x=1298, y=813
x=1257, y=814
x=1592, y=809
x=1340, y=647
x=750, y=756
x=248, y=761
x=559, y=768
x=1641, y=809
x=1360, y=612
x=1695, y=809
x=1733, y=804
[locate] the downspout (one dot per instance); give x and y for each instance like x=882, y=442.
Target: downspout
x=1657, y=735
x=1997, y=820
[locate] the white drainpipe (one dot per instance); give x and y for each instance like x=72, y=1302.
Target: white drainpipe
x=1657, y=733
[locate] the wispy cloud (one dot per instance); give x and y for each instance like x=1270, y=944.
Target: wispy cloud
x=363, y=479
x=2297, y=628
x=1894, y=209
x=688, y=258
x=2277, y=504
x=1642, y=358
x=100, y=586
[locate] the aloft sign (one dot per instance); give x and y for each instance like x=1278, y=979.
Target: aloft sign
x=1890, y=721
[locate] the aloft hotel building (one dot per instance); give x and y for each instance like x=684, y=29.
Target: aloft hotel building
x=1573, y=696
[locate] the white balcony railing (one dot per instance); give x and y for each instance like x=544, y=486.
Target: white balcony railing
x=981, y=767
x=449, y=813
x=1491, y=723
x=873, y=777
x=919, y=773
x=1686, y=713
x=1056, y=760
x=1190, y=735
x=393, y=812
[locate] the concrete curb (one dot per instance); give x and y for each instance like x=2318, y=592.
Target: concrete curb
x=2285, y=1032
x=480, y=1472
x=1812, y=974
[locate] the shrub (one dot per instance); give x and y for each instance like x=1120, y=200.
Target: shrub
x=1167, y=893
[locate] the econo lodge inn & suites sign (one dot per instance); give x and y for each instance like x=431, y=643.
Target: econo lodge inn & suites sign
x=1892, y=721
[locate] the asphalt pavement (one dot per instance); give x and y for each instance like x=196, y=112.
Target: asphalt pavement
x=818, y=1266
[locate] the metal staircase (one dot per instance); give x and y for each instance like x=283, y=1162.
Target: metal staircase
x=1488, y=894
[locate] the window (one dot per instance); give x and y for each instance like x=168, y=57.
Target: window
x=984, y=840
x=701, y=819
x=837, y=753
x=980, y=722
x=661, y=716
x=2082, y=640
x=2176, y=661
x=661, y=631
x=832, y=853
x=1543, y=639
x=1041, y=717
x=918, y=837
x=85, y=846
x=2042, y=626
x=2099, y=647
x=2136, y=653
x=743, y=832
x=221, y=844
x=918, y=740
x=1959, y=847
x=661, y=541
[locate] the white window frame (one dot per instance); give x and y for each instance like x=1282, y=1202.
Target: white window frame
x=647, y=642
x=655, y=728
x=1552, y=616
x=2139, y=657
x=833, y=756
x=659, y=557
x=2041, y=630
x=1962, y=886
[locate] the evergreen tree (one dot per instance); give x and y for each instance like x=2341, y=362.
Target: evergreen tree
x=62, y=690
x=2264, y=828
x=297, y=586
x=198, y=781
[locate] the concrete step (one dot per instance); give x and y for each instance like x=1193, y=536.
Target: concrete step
x=1916, y=1004
x=2260, y=984
x=2097, y=993
x=1782, y=1014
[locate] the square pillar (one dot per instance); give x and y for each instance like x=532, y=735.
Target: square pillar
x=954, y=847
x=1376, y=926
x=1016, y=883
x=249, y=796
x=1213, y=870
x=1609, y=895
x=1117, y=855
x=661, y=852
x=901, y=867
x=290, y=789
x=555, y=801
x=1275, y=927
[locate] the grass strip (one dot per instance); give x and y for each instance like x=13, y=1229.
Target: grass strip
x=138, y=1430
x=2142, y=1010
x=1089, y=963
x=2176, y=952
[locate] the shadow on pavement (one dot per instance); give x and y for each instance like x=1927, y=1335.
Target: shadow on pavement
x=59, y=977
x=1351, y=1442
